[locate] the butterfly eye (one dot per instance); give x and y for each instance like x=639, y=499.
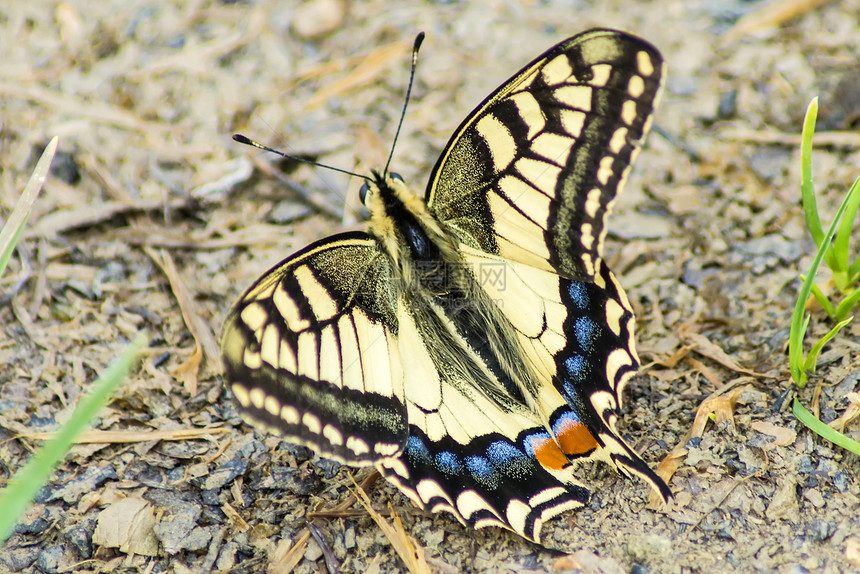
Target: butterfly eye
x=397, y=176
x=362, y=193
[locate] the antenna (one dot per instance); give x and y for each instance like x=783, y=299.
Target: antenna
x=415, y=47
x=418, y=39
x=247, y=141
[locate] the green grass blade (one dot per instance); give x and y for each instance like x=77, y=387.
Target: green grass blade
x=11, y=232
x=26, y=483
x=798, y=330
x=840, y=244
x=818, y=427
x=807, y=192
x=853, y=269
x=812, y=358
x=823, y=300
x=799, y=324
x=847, y=304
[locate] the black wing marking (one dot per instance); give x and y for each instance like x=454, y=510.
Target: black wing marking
x=533, y=172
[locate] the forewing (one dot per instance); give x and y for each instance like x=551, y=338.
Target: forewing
x=310, y=351
x=532, y=173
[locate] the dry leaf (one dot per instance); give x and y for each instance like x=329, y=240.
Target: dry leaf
x=406, y=547
x=784, y=436
x=128, y=525
x=850, y=413
x=705, y=347
x=204, y=339
x=721, y=404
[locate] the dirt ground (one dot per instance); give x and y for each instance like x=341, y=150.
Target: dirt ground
x=151, y=203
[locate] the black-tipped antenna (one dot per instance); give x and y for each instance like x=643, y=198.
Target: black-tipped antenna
x=244, y=140
x=415, y=47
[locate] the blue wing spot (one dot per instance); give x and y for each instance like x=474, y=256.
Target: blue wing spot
x=417, y=451
x=482, y=471
x=577, y=368
x=509, y=459
x=586, y=332
x=500, y=452
x=578, y=294
x=448, y=463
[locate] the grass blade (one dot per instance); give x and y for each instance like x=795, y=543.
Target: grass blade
x=822, y=300
x=795, y=341
x=807, y=192
x=812, y=358
x=847, y=304
x=18, y=218
x=840, y=244
x=26, y=483
x=818, y=427
x=799, y=324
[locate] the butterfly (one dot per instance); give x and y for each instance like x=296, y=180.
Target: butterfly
x=472, y=345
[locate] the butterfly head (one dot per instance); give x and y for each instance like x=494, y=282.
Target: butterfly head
x=402, y=222
x=387, y=196
x=370, y=189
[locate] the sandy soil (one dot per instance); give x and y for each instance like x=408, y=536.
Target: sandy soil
x=708, y=240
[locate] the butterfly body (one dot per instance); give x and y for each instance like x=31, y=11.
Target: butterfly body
x=471, y=344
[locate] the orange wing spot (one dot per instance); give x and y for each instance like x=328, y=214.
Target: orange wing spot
x=548, y=454
x=574, y=438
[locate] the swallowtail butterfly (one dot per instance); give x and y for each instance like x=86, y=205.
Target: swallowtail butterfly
x=472, y=344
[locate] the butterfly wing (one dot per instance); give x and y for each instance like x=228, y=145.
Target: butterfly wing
x=578, y=338
x=310, y=351
x=526, y=184
x=533, y=171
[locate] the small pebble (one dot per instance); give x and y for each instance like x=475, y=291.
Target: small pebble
x=318, y=18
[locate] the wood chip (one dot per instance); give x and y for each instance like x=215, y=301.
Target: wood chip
x=287, y=555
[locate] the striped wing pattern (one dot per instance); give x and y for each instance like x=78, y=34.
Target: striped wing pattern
x=532, y=173
x=310, y=352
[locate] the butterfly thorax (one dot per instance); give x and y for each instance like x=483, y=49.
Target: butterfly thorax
x=425, y=256
x=443, y=296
